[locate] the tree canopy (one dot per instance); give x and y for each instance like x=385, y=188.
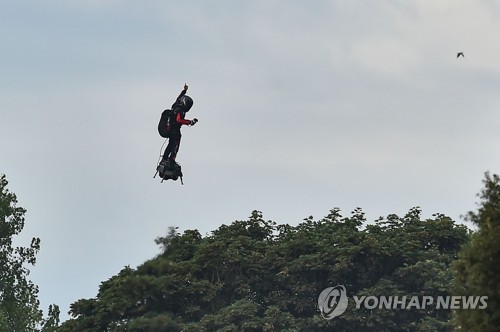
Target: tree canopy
x=477, y=271
x=19, y=305
x=256, y=275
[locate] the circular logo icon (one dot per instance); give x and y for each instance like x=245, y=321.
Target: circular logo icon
x=332, y=302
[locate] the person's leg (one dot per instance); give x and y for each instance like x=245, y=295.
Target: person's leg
x=176, y=142
x=170, y=147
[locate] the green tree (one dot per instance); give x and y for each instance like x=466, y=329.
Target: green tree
x=477, y=271
x=255, y=275
x=19, y=305
x=19, y=309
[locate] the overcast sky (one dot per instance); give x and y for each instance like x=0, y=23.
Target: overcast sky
x=302, y=107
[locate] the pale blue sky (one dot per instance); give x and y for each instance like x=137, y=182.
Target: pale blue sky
x=303, y=107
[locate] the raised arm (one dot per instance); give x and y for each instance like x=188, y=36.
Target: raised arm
x=183, y=92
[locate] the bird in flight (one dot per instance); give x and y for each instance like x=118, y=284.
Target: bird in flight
x=460, y=54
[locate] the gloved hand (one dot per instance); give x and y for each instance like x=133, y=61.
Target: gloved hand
x=193, y=122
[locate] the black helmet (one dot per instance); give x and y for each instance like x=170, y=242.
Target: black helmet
x=186, y=103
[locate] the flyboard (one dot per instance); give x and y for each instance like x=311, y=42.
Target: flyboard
x=168, y=170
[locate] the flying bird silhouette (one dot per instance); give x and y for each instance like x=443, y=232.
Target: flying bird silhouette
x=460, y=54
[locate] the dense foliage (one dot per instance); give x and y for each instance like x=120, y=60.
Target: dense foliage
x=255, y=275
x=478, y=267
x=19, y=305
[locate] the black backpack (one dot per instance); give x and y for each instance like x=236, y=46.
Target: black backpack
x=165, y=125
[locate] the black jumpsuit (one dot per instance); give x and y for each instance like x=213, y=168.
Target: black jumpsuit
x=170, y=127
